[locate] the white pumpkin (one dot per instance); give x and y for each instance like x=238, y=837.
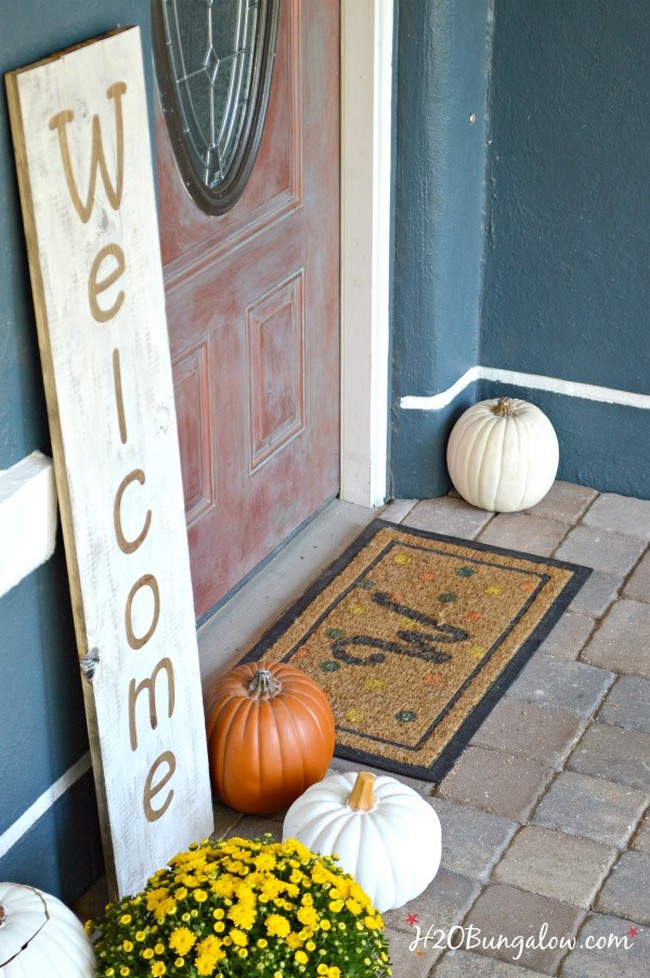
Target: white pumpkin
x=503, y=455
x=386, y=836
x=40, y=937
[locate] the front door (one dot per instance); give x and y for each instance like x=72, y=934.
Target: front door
x=253, y=313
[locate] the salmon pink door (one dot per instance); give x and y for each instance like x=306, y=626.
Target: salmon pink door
x=253, y=311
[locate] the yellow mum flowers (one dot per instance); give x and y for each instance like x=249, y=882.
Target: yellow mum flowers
x=277, y=926
x=285, y=911
x=182, y=940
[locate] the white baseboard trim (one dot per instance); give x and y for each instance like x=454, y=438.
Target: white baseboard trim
x=21, y=826
x=553, y=385
x=28, y=518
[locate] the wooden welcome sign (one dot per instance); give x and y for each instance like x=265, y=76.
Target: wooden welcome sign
x=81, y=137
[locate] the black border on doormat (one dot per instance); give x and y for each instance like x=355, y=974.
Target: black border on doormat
x=437, y=770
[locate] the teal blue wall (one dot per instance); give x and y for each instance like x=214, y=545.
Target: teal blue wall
x=40, y=692
x=567, y=265
x=440, y=159
x=567, y=287
x=564, y=253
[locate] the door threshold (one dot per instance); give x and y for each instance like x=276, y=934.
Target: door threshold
x=243, y=619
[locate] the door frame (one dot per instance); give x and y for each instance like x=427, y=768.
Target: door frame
x=366, y=167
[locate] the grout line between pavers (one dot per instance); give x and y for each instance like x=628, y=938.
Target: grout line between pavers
x=506, y=849
x=570, y=527
x=549, y=786
x=598, y=624
x=587, y=508
x=595, y=718
x=627, y=577
x=637, y=828
x=605, y=879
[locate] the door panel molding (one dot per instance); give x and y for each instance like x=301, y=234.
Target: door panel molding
x=275, y=324
x=192, y=397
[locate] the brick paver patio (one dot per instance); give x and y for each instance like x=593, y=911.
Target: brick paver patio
x=546, y=815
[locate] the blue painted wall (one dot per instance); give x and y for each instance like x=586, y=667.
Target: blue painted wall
x=567, y=265
x=565, y=252
x=567, y=287
x=40, y=691
x=440, y=160
x=440, y=166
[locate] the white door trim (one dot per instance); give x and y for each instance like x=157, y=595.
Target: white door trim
x=366, y=134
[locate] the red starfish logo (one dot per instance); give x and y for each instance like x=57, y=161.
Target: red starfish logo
x=632, y=932
x=411, y=919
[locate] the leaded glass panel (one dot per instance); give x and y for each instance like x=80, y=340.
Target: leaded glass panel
x=214, y=61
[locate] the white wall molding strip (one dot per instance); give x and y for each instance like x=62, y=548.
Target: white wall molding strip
x=28, y=518
x=43, y=803
x=553, y=385
x=435, y=402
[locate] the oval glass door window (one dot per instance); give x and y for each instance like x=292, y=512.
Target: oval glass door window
x=214, y=61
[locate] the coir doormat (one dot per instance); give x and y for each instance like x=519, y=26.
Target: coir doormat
x=414, y=637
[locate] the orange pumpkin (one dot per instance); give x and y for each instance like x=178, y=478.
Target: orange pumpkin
x=270, y=736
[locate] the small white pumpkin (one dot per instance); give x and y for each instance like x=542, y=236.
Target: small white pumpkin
x=386, y=836
x=40, y=937
x=503, y=455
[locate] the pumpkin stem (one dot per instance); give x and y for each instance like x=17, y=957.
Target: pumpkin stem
x=263, y=683
x=3, y=916
x=503, y=407
x=362, y=797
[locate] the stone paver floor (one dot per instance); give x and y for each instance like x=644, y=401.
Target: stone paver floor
x=546, y=814
x=541, y=813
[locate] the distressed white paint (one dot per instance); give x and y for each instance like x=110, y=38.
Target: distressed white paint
x=570, y=388
x=43, y=803
x=100, y=310
x=366, y=120
x=28, y=518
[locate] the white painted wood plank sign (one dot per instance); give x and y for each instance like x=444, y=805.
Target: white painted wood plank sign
x=81, y=137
